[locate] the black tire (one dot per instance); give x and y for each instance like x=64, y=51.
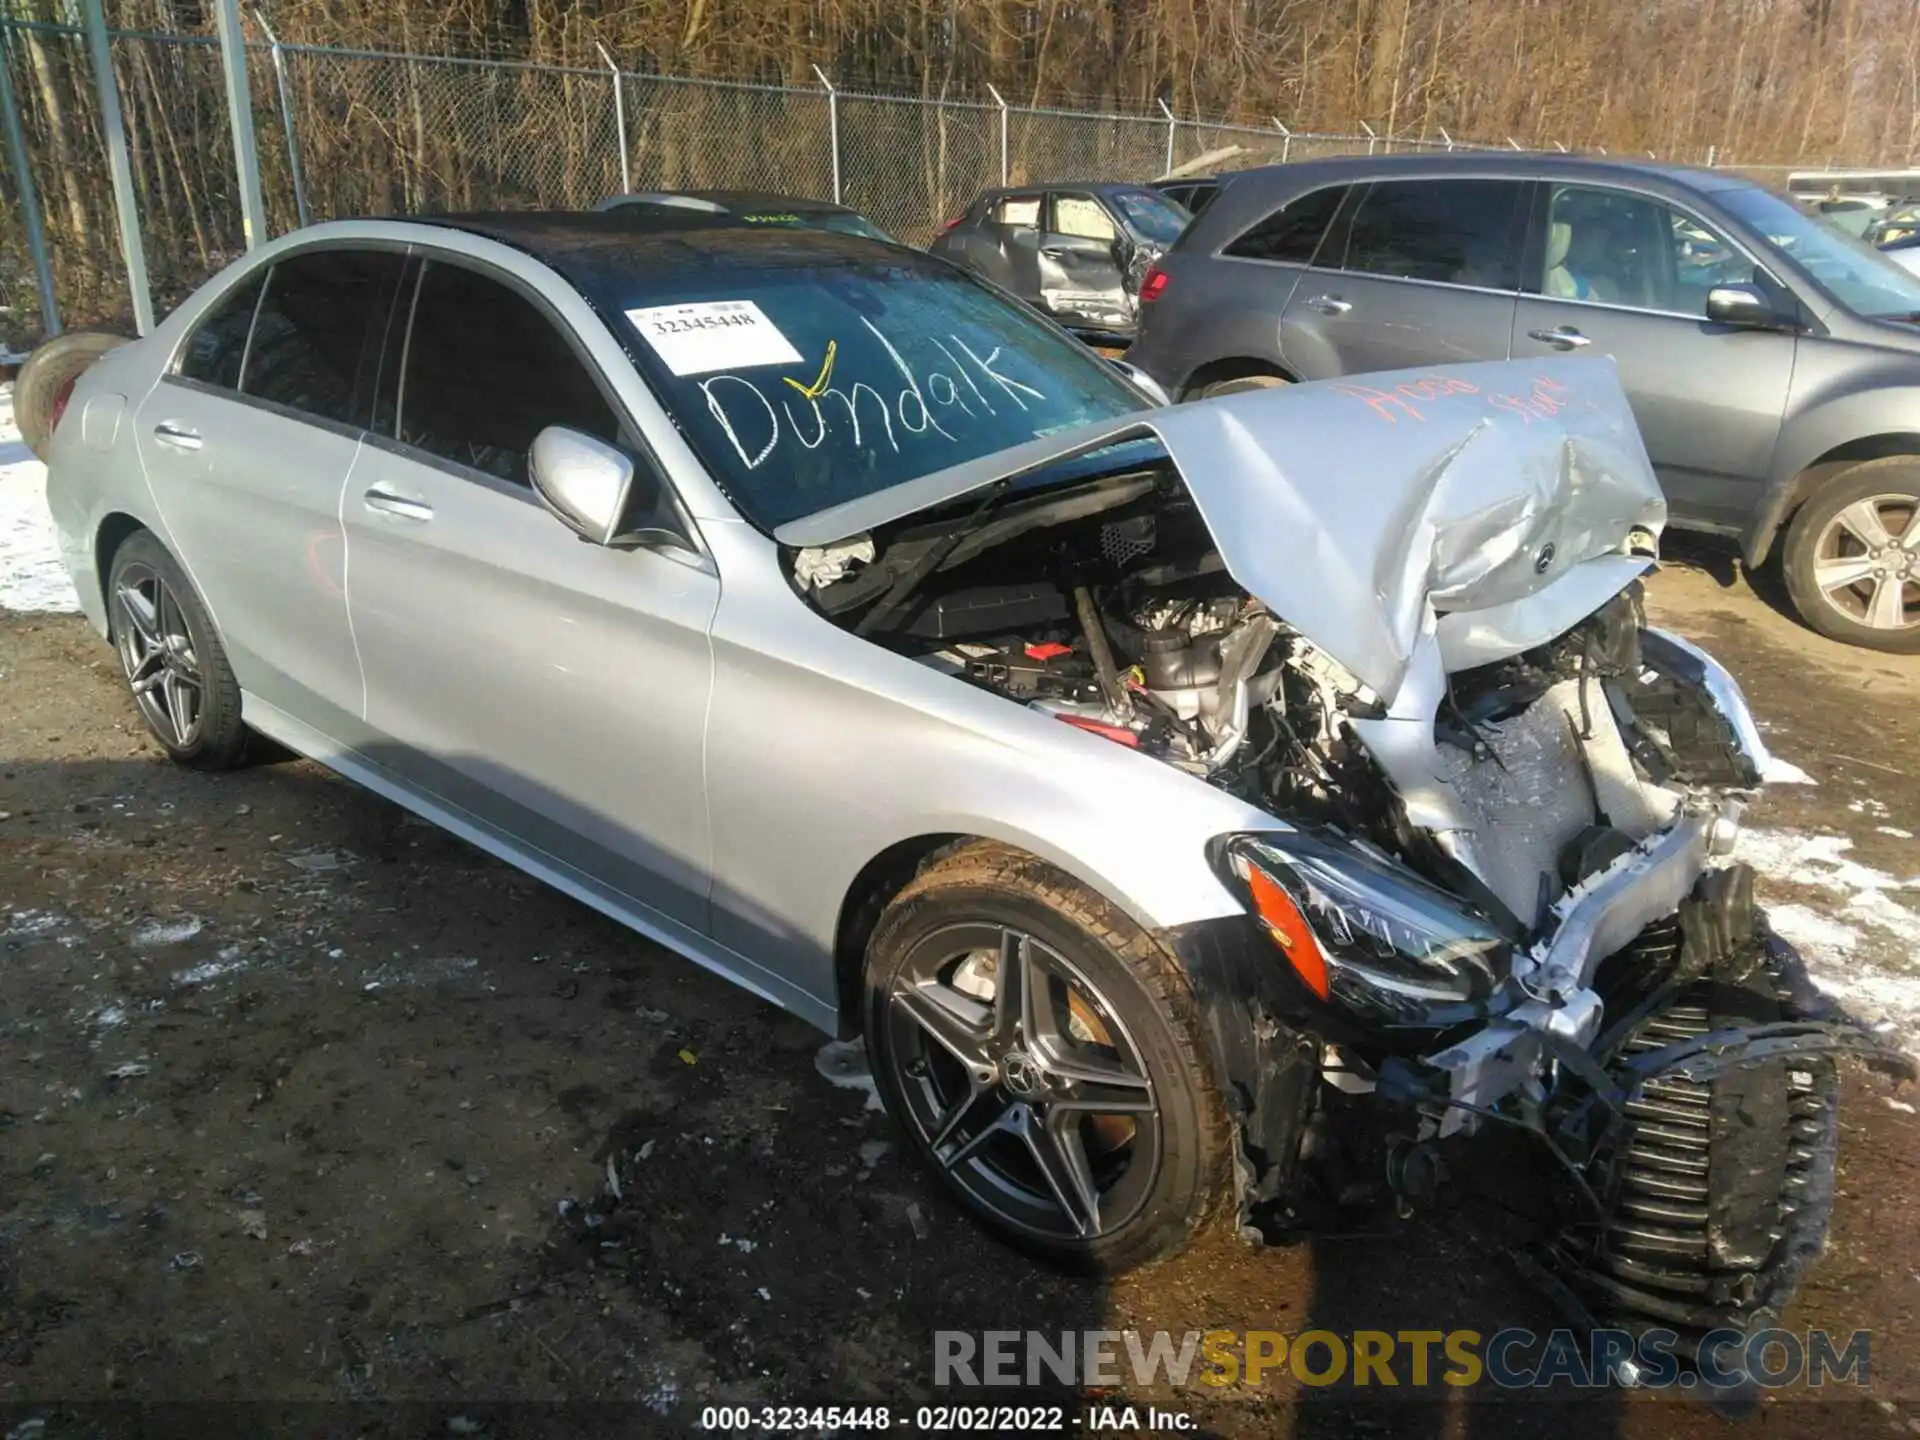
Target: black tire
x=1240, y=384
x=154, y=612
x=40, y=390
x=1160, y=1178
x=1824, y=537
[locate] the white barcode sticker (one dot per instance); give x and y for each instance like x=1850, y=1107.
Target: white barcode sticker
x=711, y=335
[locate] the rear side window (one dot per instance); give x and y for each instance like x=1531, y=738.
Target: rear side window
x=486, y=371
x=1458, y=232
x=1292, y=233
x=318, y=335
x=213, y=355
x=1015, y=210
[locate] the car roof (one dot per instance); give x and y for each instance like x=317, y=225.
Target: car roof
x=1104, y=187
x=1526, y=163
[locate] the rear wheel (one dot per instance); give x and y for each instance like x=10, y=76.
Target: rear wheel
x=46, y=381
x=1240, y=384
x=1043, y=1055
x=1852, y=556
x=171, y=655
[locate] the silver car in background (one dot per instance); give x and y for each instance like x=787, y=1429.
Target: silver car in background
x=1166, y=809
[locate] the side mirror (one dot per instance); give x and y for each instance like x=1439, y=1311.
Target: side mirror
x=1745, y=305
x=1143, y=382
x=585, y=482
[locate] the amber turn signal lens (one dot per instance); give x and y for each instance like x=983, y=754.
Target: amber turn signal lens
x=1289, y=930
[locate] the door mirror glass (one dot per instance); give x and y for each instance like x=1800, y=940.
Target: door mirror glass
x=1142, y=381
x=585, y=482
x=1741, y=305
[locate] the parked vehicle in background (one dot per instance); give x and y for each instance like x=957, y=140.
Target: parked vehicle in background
x=1904, y=253
x=1078, y=252
x=1773, y=363
x=1898, y=222
x=1192, y=194
x=1835, y=184
x=805, y=604
x=753, y=207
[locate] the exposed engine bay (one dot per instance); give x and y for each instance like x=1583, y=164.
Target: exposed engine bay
x=1495, y=903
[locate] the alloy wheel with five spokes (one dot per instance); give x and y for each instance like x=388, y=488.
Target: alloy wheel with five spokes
x=157, y=652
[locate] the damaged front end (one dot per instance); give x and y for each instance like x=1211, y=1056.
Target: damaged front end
x=1403, y=619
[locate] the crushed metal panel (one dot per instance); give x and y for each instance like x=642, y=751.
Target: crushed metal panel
x=1352, y=506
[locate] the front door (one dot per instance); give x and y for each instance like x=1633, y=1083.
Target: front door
x=553, y=688
x=1412, y=273
x=1615, y=272
x=1081, y=278
x=247, y=468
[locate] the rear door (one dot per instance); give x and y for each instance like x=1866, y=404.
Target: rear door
x=1413, y=272
x=1002, y=242
x=247, y=444
x=1622, y=273
x=553, y=688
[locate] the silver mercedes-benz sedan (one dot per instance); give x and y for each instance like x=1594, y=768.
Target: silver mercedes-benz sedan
x=1179, y=800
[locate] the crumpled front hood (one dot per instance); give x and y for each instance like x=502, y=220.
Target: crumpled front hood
x=1350, y=506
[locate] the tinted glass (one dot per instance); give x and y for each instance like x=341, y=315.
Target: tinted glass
x=486, y=371
x=1458, y=232
x=316, y=341
x=218, y=346
x=811, y=382
x=1858, y=276
x=1292, y=234
x=1616, y=247
x=1154, y=216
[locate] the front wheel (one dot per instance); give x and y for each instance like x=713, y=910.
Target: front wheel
x=1043, y=1054
x=1241, y=384
x=1852, y=557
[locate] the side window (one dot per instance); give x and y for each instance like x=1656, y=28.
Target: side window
x=213, y=355
x=1292, y=234
x=317, y=339
x=1082, y=216
x=486, y=371
x=1618, y=248
x=1457, y=232
x=1015, y=210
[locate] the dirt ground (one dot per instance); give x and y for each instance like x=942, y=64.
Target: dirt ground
x=306, y=1105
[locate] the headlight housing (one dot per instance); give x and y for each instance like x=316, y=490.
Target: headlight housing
x=1367, y=934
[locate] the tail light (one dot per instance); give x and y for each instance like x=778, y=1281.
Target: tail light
x=953, y=222
x=1153, y=285
x=59, y=407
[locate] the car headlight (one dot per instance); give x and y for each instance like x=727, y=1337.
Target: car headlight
x=1367, y=934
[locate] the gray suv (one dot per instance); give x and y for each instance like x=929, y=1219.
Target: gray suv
x=1773, y=363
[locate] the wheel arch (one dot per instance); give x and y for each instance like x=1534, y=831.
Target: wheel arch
x=1234, y=367
x=116, y=527
x=1806, y=474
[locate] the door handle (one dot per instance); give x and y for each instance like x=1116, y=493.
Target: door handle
x=1566, y=337
x=1330, y=304
x=180, y=437
x=391, y=502
x=1054, y=252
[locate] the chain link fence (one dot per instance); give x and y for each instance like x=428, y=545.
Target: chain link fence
x=361, y=132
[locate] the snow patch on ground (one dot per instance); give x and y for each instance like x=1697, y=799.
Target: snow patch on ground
x=1853, y=923
x=1783, y=772
x=32, y=575
x=165, y=932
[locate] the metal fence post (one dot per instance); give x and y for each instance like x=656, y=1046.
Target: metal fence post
x=29, y=197
x=1372, y=139
x=1448, y=138
x=1005, y=173
x=246, y=156
x=1513, y=144
x=1170, y=129
x=1712, y=151
x=126, y=205
x=833, y=127
x=619, y=117
x=286, y=118
x=1286, y=139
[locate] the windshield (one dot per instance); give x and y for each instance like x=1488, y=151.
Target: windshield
x=807, y=385
x=1857, y=275
x=1154, y=216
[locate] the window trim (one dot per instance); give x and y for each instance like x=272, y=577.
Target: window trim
x=1542, y=211
x=632, y=440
